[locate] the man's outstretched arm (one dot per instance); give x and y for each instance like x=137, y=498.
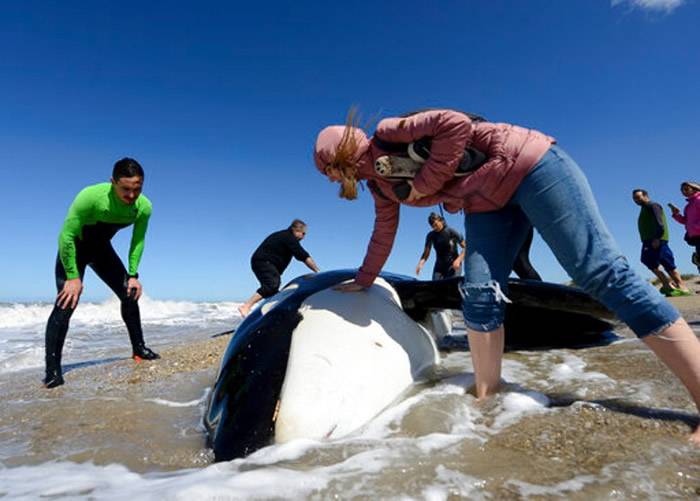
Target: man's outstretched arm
x=311, y=264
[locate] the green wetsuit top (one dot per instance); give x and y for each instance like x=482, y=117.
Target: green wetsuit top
x=96, y=215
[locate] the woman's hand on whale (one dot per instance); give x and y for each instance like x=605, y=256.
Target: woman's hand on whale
x=349, y=287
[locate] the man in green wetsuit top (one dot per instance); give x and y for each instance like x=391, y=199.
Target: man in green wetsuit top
x=95, y=216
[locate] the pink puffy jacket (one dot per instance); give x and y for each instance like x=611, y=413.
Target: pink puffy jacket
x=691, y=215
x=511, y=151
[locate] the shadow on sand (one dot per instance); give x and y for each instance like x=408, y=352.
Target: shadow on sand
x=92, y=363
x=621, y=406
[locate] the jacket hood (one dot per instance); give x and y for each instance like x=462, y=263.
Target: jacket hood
x=327, y=143
x=693, y=185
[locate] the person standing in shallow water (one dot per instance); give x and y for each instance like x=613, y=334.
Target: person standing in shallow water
x=272, y=257
x=95, y=216
x=653, y=231
x=521, y=179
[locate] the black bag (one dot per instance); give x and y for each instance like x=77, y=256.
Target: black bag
x=471, y=161
x=419, y=151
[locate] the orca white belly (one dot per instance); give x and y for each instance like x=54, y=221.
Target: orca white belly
x=351, y=356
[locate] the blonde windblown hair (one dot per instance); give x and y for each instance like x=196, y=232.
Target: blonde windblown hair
x=345, y=158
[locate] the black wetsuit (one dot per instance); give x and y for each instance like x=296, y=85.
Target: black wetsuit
x=94, y=217
x=522, y=266
x=272, y=257
x=446, y=243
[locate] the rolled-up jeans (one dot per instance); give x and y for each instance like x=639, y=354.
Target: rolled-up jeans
x=556, y=199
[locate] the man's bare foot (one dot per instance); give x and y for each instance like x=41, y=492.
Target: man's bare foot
x=244, y=309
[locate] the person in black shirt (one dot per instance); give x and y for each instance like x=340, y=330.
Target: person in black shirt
x=522, y=265
x=446, y=241
x=272, y=257
x=448, y=263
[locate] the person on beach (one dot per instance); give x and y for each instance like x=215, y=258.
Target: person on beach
x=522, y=265
x=446, y=241
x=272, y=257
x=95, y=216
x=690, y=217
x=506, y=178
x=653, y=231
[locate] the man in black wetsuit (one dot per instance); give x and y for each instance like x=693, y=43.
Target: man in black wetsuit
x=272, y=257
x=448, y=262
x=446, y=241
x=96, y=214
x=522, y=265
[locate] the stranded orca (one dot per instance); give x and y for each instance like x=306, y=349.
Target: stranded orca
x=312, y=362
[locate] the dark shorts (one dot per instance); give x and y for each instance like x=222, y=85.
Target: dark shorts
x=268, y=276
x=653, y=258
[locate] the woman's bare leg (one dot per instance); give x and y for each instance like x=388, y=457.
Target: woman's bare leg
x=487, y=354
x=679, y=348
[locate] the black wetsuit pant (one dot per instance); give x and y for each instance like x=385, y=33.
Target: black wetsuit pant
x=105, y=262
x=444, y=270
x=522, y=266
x=268, y=275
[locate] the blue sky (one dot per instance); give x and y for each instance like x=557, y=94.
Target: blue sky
x=221, y=102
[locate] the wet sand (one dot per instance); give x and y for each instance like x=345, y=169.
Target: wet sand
x=147, y=416
x=114, y=411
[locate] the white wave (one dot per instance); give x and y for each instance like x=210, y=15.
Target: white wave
x=23, y=316
x=170, y=403
x=289, y=451
x=573, y=368
x=18, y=315
x=561, y=489
x=452, y=484
x=97, y=329
x=238, y=479
x=219, y=481
x=21, y=358
x=437, y=441
x=388, y=422
x=515, y=406
x=515, y=372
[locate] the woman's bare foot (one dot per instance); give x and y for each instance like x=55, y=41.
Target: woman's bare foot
x=482, y=394
x=695, y=437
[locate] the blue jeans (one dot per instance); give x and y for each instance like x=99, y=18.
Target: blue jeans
x=556, y=199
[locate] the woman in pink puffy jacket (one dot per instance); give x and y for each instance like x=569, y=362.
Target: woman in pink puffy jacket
x=507, y=179
x=690, y=217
